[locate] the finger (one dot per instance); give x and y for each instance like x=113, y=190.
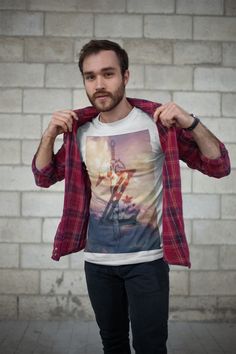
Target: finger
x=159, y=110
x=63, y=114
x=60, y=126
x=64, y=122
x=72, y=113
x=67, y=118
x=167, y=113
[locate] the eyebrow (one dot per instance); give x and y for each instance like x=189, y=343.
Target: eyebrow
x=109, y=68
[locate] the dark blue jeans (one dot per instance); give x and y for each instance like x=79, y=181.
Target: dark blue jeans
x=139, y=292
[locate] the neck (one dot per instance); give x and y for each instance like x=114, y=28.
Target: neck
x=117, y=113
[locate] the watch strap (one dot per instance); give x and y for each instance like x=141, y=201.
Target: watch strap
x=194, y=123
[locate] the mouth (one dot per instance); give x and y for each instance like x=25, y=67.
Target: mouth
x=101, y=96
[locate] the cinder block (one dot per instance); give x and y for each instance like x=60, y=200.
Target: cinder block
x=39, y=257
x=151, y=95
x=202, y=7
x=7, y=96
x=214, y=28
x=80, y=99
x=69, y=25
x=195, y=315
x=228, y=104
x=192, y=302
x=77, y=260
x=215, y=79
x=16, y=178
x=20, y=230
x=203, y=104
x=204, y=184
x=101, y=6
x=230, y=7
x=136, y=76
x=229, y=54
x=201, y=206
x=228, y=207
x=204, y=257
x=46, y=100
x=193, y=308
x=15, y=126
x=227, y=302
x=42, y=204
x=164, y=26
x=9, y=152
x=49, y=229
x=52, y=5
x=9, y=256
x=213, y=283
x=63, y=282
x=21, y=75
x=214, y=232
x=19, y=281
x=129, y=26
x=227, y=257
x=8, y=307
x=49, y=49
x=179, y=282
x=186, y=180
x=13, y=4
x=55, y=307
x=223, y=128
x=63, y=75
x=188, y=230
x=151, y=6
x=232, y=153
x=10, y=204
x=19, y=23
x=197, y=53
x=153, y=51
x=11, y=49
x=168, y=77
x=29, y=147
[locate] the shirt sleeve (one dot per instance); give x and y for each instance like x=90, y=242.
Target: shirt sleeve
x=53, y=172
x=190, y=153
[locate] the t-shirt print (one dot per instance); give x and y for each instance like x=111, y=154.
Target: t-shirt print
x=123, y=216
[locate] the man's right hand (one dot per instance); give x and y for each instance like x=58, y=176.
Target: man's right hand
x=61, y=122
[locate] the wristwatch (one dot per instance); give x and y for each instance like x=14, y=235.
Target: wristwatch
x=194, y=123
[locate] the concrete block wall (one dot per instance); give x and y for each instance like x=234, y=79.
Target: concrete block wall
x=180, y=50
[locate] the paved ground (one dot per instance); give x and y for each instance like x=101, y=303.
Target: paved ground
x=76, y=337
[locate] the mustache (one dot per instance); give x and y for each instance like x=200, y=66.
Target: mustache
x=101, y=94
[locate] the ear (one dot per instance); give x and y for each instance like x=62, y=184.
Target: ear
x=126, y=77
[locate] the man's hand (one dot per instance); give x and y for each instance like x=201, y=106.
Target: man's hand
x=61, y=122
x=170, y=114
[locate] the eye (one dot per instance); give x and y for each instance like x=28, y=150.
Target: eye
x=109, y=74
x=89, y=77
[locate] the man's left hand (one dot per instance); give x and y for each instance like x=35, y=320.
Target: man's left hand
x=170, y=114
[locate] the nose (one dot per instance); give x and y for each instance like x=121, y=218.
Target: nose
x=99, y=83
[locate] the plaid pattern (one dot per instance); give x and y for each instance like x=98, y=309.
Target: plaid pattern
x=66, y=164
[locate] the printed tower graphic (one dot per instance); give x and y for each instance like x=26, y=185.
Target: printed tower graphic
x=119, y=207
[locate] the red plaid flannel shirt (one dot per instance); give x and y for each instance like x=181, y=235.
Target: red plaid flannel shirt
x=66, y=164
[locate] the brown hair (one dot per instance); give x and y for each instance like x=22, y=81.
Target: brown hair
x=95, y=46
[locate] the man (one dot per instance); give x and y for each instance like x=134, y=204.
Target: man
x=120, y=161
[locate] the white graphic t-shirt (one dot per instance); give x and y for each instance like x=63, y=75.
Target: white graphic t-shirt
x=124, y=161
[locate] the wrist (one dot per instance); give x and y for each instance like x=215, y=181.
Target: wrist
x=47, y=139
x=195, y=122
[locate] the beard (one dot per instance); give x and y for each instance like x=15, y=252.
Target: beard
x=111, y=99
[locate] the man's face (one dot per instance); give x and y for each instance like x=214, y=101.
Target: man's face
x=104, y=83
